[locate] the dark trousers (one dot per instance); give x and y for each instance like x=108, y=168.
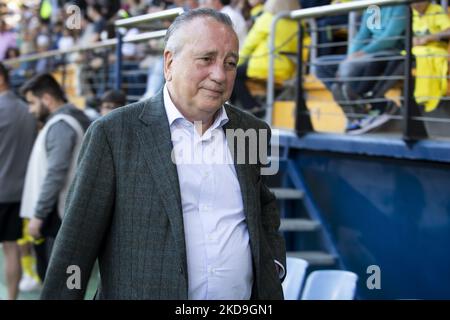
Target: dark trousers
x=49, y=231
x=326, y=33
x=359, y=67
x=43, y=252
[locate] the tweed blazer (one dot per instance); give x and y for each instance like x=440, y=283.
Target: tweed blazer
x=124, y=209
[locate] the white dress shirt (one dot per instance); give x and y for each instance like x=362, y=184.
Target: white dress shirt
x=218, y=251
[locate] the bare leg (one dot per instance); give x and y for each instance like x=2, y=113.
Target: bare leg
x=13, y=269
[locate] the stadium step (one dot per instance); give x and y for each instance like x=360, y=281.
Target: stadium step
x=287, y=194
x=296, y=225
x=314, y=258
x=311, y=83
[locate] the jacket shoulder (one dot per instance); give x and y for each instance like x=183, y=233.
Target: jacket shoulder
x=127, y=112
x=247, y=120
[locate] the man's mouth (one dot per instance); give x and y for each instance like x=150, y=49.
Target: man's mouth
x=214, y=91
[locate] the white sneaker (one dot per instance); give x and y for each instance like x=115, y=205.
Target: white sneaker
x=374, y=120
x=28, y=284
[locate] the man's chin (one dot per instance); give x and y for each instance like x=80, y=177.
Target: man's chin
x=212, y=105
x=41, y=117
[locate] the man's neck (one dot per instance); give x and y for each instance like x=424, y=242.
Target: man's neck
x=206, y=119
x=56, y=106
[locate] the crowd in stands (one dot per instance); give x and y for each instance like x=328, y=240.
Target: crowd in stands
x=46, y=26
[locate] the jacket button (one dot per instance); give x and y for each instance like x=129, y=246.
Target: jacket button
x=180, y=270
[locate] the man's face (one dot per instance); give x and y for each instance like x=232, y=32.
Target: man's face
x=36, y=106
x=201, y=74
x=420, y=6
x=107, y=107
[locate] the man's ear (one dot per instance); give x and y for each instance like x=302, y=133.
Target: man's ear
x=168, y=59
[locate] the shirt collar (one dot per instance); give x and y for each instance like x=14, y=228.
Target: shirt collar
x=174, y=114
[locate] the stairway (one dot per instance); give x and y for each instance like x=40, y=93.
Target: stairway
x=302, y=225
x=304, y=233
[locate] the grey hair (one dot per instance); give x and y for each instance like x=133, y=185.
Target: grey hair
x=172, y=41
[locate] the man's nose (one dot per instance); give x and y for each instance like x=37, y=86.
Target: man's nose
x=217, y=72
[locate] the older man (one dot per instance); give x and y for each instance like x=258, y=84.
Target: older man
x=163, y=225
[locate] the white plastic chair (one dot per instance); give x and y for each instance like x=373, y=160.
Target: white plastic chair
x=292, y=284
x=330, y=285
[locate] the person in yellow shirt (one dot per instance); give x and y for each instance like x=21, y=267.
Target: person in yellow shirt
x=431, y=27
x=257, y=9
x=254, y=53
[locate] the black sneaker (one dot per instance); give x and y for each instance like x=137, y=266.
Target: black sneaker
x=340, y=98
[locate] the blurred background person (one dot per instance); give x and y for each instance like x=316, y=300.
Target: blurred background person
x=52, y=163
x=239, y=24
x=111, y=100
x=368, y=55
x=254, y=54
x=17, y=132
x=431, y=28
x=7, y=39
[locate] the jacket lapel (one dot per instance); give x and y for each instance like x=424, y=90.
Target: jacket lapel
x=154, y=136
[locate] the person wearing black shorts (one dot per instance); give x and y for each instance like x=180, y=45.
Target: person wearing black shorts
x=10, y=222
x=17, y=132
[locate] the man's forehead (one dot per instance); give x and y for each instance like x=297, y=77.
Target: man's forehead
x=29, y=95
x=212, y=52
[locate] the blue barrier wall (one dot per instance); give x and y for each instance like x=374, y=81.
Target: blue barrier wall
x=385, y=203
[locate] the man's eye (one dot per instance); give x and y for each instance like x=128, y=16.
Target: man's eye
x=231, y=64
x=206, y=59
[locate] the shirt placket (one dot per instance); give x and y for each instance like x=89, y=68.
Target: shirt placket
x=206, y=198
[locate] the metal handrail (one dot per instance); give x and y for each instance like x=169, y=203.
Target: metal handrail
x=98, y=45
x=130, y=22
x=334, y=9
x=133, y=21
x=116, y=42
x=301, y=14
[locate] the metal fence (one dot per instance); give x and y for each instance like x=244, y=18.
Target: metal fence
x=101, y=66
x=411, y=121
x=86, y=72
